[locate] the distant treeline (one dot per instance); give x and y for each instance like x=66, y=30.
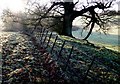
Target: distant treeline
x=113, y=13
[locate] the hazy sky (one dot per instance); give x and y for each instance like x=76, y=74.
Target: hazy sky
x=18, y=5
x=14, y=5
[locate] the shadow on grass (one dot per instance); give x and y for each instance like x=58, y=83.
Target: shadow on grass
x=104, y=69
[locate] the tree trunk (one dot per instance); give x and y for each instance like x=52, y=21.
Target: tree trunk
x=67, y=26
x=68, y=19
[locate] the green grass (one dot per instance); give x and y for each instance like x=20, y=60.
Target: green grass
x=108, y=52
x=108, y=46
x=92, y=45
x=106, y=57
x=79, y=61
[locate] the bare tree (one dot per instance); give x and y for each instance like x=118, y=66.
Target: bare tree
x=16, y=21
x=11, y=21
x=66, y=10
x=62, y=13
x=87, y=11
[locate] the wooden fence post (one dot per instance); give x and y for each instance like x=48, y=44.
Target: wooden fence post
x=89, y=68
x=61, y=50
x=45, y=37
x=53, y=44
x=49, y=39
x=68, y=58
x=42, y=35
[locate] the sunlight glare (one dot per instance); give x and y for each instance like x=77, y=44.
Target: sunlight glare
x=13, y=5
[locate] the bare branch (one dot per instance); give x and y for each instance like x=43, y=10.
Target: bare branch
x=54, y=4
x=86, y=16
x=76, y=2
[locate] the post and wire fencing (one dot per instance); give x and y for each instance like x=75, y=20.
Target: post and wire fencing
x=76, y=64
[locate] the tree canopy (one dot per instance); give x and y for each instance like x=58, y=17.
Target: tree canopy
x=67, y=10
x=59, y=15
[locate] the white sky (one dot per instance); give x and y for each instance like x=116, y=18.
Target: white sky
x=18, y=5
x=14, y=5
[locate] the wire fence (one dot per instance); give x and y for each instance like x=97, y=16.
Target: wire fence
x=77, y=67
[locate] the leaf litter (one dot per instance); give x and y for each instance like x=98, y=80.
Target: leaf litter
x=25, y=62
